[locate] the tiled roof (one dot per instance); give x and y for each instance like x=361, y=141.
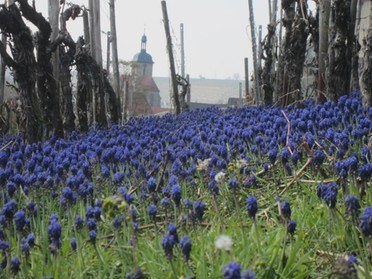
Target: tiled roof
x=146, y=84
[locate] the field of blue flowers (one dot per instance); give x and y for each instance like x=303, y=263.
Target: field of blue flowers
x=252, y=192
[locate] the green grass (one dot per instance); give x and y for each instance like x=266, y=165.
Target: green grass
x=323, y=235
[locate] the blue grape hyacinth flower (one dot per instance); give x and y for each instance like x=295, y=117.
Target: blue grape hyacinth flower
x=168, y=243
x=252, y=207
x=328, y=193
x=172, y=229
x=291, y=226
x=352, y=206
x=366, y=222
x=232, y=271
x=15, y=264
x=199, y=209
x=186, y=246
x=20, y=220
x=73, y=243
x=285, y=210
x=152, y=210
x=248, y=274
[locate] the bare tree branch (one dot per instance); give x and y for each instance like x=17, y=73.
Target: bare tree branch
x=36, y=18
x=7, y=58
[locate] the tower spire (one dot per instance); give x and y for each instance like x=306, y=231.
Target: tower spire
x=144, y=40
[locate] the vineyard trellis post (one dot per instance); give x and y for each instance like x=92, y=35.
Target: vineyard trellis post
x=115, y=59
x=171, y=58
x=324, y=11
x=246, y=78
x=2, y=72
x=254, y=52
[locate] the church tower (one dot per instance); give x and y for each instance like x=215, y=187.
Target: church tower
x=145, y=88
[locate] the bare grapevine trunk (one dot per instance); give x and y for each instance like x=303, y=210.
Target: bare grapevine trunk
x=365, y=80
x=25, y=68
x=294, y=47
x=267, y=76
x=339, y=53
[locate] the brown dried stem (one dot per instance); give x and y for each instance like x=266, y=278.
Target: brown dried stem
x=301, y=171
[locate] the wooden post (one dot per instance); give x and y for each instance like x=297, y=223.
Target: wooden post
x=98, y=100
x=259, y=48
x=352, y=38
x=254, y=51
x=274, y=10
x=188, y=95
x=324, y=12
x=270, y=10
x=171, y=58
x=86, y=28
x=54, y=24
x=240, y=94
x=125, y=106
x=2, y=72
x=108, y=54
x=278, y=73
x=114, y=44
x=182, y=52
x=246, y=77
x=97, y=31
x=2, y=68
x=92, y=47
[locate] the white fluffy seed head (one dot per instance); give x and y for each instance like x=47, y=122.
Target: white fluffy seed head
x=220, y=177
x=224, y=242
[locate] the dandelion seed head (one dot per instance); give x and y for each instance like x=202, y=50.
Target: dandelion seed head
x=224, y=242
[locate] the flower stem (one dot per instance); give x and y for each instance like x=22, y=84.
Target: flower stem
x=257, y=236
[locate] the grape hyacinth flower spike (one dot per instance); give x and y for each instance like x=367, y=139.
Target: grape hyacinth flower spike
x=168, y=243
x=285, y=210
x=352, y=206
x=186, y=246
x=232, y=271
x=252, y=207
x=366, y=222
x=291, y=227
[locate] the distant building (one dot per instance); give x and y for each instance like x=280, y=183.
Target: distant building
x=235, y=102
x=144, y=96
x=204, y=92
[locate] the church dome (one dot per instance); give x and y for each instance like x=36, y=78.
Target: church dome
x=143, y=56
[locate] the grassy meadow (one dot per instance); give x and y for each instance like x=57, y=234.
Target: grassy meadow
x=254, y=192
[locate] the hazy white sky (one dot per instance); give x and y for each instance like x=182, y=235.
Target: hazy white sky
x=216, y=32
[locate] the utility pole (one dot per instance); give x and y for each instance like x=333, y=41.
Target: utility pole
x=254, y=51
x=171, y=58
x=115, y=59
x=182, y=52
